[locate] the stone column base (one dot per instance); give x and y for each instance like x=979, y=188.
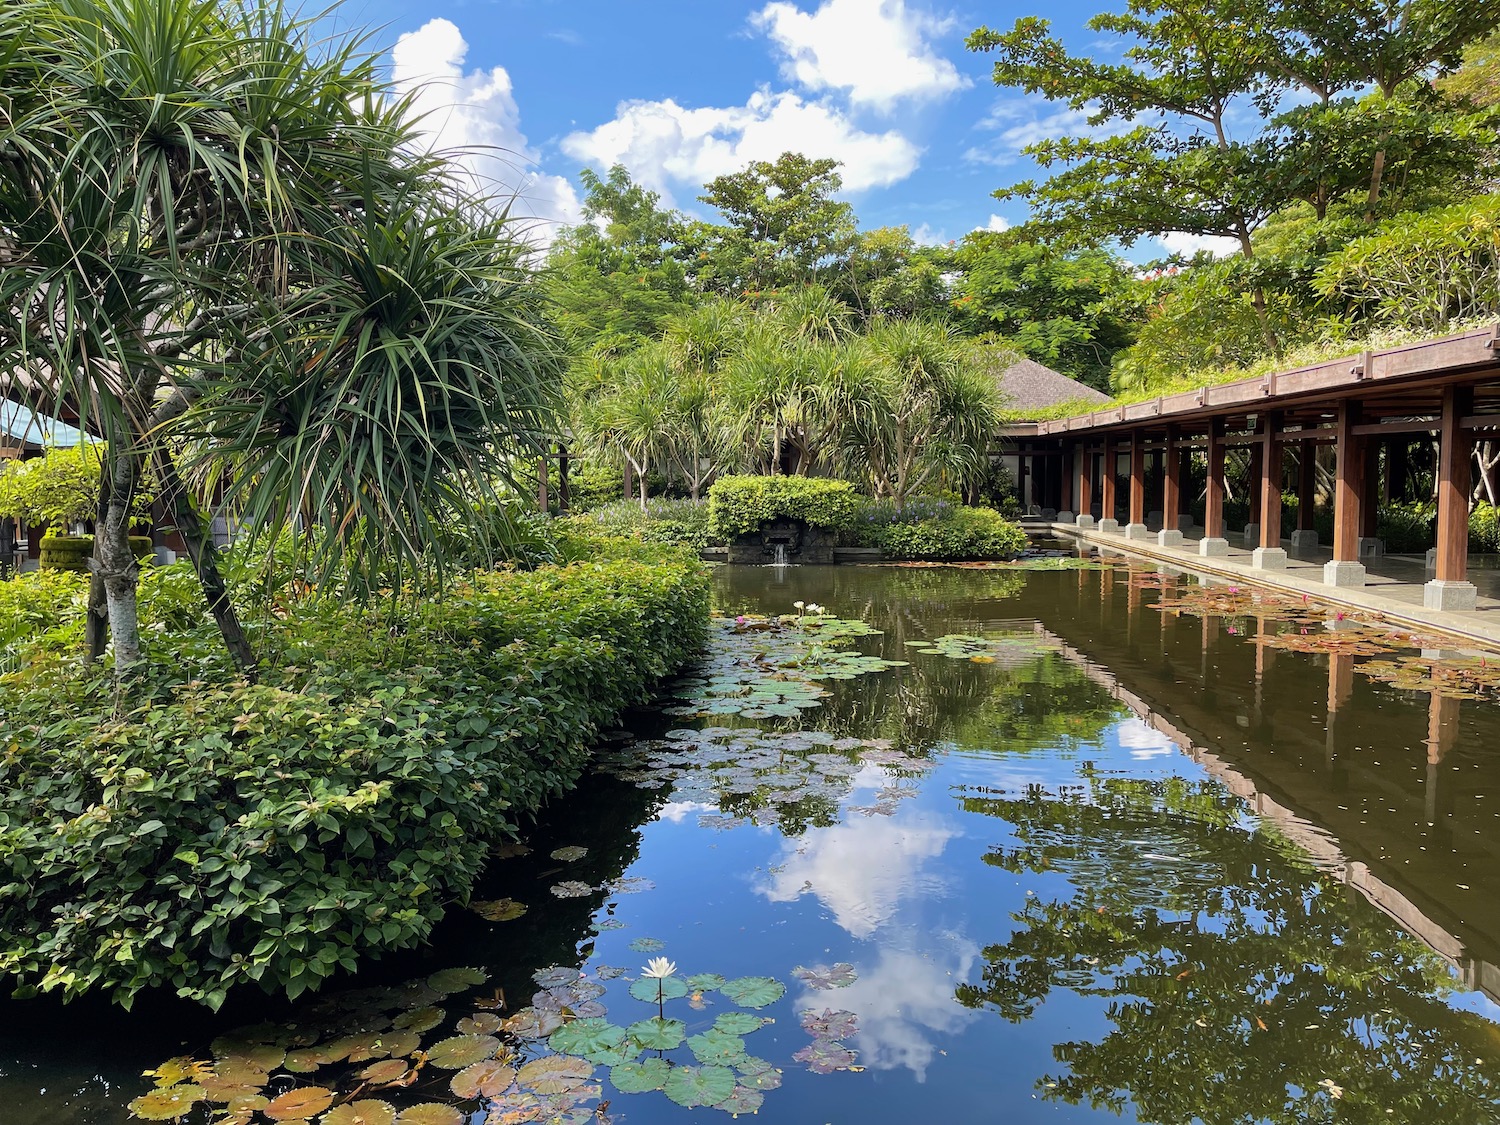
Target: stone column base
x=1085, y=520
x=1252, y=535
x=1136, y=531
x=1304, y=540
x=1268, y=558
x=1107, y=524
x=1169, y=538
x=1185, y=520
x=1212, y=548
x=1345, y=573
x=1065, y=517
x=1368, y=545
x=1450, y=596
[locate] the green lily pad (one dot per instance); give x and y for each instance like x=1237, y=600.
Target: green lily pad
x=299, y=1104
x=366, y=1111
x=597, y=1040
x=758, y=1074
x=739, y=1023
x=499, y=910
x=555, y=1074
x=657, y=1034
x=691, y=1086
x=639, y=1077
x=647, y=988
x=455, y=980
x=167, y=1104
x=482, y=1080
x=648, y=945
x=742, y=1100
x=753, y=992
x=460, y=1051
x=572, y=888
x=570, y=854
x=718, y=1048
x=703, y=982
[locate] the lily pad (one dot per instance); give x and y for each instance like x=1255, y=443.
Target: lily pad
x=597, y=1040
x=555, y=976
x=572, y=888
x=299, y=1104
x=430, y=1113
x=742, y=1100
x=421, y=1019
x=829, y=1024
x=824, y=977
x=305, y=1061
x=386, y=1070
x=691, y=1086
x=648, y=945
x=499, y=909
x=703, y=982
x=168, y=1103
x=718, y=1048
x=554, y=1074
x=753, y=992
x=366, y=1111
x=824, y=1056
x=570, y=854
x=462, y=1050
x=449, y=981
x=739, y=1023
x=639, y=1077
x=629, y=885
x=657, y=1034
x=483, y=1080
x=758, y=1074
x=649, y=988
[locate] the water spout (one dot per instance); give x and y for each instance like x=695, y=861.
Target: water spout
x=781, y=559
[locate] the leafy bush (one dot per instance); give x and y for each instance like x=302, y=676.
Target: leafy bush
x=58, y=488
x=590, y=485
x=962, y=534
x=33, y=605
x=678, y=522
x=228, y=833
x=1407, y=528
x=1484, y=529
x=739, y=505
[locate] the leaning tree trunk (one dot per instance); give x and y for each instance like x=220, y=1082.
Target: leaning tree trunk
x=96, y=623
x=115, y=564
x=201, y=550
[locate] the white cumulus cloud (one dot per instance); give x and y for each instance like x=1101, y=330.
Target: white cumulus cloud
x=996, y=224
x=663, y=142
x=878, y=52
x=476, y=111
x=1179, y=242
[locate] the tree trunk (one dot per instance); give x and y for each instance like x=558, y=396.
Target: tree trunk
x=204, y=554
x=96, y=622
x=116, y=567
x=1376, y=175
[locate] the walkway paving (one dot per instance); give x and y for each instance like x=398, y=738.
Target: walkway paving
x=1393, y=587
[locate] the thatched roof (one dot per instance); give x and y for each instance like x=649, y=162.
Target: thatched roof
x=1028, y=385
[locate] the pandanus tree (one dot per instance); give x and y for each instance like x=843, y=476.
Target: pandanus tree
x=220, y=245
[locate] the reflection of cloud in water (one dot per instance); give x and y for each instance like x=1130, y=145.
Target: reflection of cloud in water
x=1143, y=741
x=903, y=1000
x=678, y=811
x=863, y=868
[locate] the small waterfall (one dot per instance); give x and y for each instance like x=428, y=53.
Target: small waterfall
x=781, y=559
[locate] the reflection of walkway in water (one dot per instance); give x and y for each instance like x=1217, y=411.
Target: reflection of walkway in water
x=1396, y=901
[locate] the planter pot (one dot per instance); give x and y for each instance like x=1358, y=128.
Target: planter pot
x=72, y=552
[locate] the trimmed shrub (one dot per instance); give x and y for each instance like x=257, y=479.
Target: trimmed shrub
x=1484, y=529
x=72, y=552
x=961, y=535
x=682, y=523
x=277, y=833
x=740, y=505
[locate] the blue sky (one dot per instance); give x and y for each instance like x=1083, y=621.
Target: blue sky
x=684, y=90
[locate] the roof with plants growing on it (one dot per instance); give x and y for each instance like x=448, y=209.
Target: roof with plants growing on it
x=1031, y=389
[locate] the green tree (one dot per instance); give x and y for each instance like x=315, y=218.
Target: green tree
x=217, y=238
x=1060, y=307
x=617, y=274
x=784, y=228
x=887, y=274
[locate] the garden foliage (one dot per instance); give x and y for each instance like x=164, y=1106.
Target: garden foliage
x=739, y=505
x=930, y=528
x=225, y=833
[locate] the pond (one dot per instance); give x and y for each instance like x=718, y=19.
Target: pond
x=1039, y=849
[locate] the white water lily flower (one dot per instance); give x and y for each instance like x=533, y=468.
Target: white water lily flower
x=659, y=968
x=798, y=605
x=814, y=608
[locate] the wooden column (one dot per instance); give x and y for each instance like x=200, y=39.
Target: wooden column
x=1307, y=484
x=1257, y=461
x=1369, y=497
x=1213, y=507
x=564, y=488
x=1138, y=477
x=1107, y=479
x=1453, y=477
x=1349, y=484
x=1171, y=489
x=1086, y=482
x=1270, y=481
x=1065, y=480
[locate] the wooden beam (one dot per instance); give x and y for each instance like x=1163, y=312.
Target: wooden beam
x=1454, y=457
x=1377, y=429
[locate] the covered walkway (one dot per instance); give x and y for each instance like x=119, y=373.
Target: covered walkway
x=1443, y=391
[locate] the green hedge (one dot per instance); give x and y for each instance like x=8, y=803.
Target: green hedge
x=965, y=534
x=739, y=505
x=278, y=833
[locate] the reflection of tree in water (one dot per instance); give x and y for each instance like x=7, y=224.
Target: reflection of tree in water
x=1242, y=985
x=1046, y=702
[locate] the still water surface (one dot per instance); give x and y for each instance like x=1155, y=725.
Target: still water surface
x=1131, y=866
